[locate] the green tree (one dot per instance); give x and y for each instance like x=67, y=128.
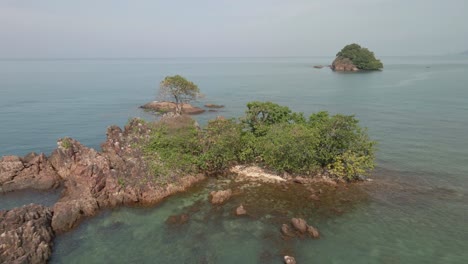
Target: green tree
x=180, y=89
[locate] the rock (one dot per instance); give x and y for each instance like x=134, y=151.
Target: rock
x=240, y=210
x=213, y=106
x=313, y=232
x=30, y=172
x=299, y=180
x=343, y=64
x=171, y=107
x=286, y=231
x=289, y=260
x=26, y=234
x=314, y=197
x=220, y=197
x=318, y=66
x=177, y=219
x=299, y=224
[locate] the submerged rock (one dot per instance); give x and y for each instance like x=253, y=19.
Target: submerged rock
x=241, y=210
x=299, y=224
x=313, y=232
x=177, y=219
x=171, y=107
x=289, y=260
x=26, y=234
x=286, y=231
x=220, y=197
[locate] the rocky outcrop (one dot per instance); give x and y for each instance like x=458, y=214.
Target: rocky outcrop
x=343, y=64
x=26, y=234
x=220, y=197
x=213, y=106
x=171, y=107
x=29, y=172
x=301, y=228
x=116, y=176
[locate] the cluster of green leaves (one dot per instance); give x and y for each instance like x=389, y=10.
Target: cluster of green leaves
x=363, y=58
x=180, y=89
x=270, y=135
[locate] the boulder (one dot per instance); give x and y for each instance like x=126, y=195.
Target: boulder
x=299, y=224
x=313, y=232
x=286, y=231
x=289, y=260
x=220, y=197
x=26, y=234
x=240, y=210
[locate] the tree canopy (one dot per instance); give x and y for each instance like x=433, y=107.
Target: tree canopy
x=179, y=89
x=362, y=58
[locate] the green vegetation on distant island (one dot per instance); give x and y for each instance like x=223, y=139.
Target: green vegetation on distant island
x=362, y=58
x=268, y=135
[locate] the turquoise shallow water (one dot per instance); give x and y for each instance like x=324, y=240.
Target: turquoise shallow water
x=417, y=109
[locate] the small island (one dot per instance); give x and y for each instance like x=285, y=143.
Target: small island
x=355, y=58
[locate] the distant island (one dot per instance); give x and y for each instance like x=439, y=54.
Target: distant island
x=465, y=53
x=355, y=58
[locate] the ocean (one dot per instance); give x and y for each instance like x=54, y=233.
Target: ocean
x=416, y=210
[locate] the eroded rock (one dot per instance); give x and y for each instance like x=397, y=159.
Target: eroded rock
x=220, y=197
x=26, y=234
x=289, y=260
x=32, y=171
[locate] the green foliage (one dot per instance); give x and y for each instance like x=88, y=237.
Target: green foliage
x=290, y=147
x=66, y=143
x=221, y=144
x=180, y=89
x=261, y=115
x=270, y=135
x=175, y=146
x=363, y=58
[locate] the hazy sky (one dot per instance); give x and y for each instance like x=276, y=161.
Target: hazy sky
x=199, y=28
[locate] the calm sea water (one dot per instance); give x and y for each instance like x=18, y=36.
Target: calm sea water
x=417, y=109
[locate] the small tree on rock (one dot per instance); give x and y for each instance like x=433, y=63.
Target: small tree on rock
x=180, y=89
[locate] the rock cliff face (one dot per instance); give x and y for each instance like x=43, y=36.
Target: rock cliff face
x=343, y=64
x=26, y=234
x=92, y=180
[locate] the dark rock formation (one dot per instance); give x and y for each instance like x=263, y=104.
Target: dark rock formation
x=171, y=107
x=343, y=64
x=30, y=172
x=177, y=220
x=220, y=197
x=240, y=210
x=26, y=234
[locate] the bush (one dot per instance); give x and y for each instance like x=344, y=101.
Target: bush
x=291, y=148
x=269, y=134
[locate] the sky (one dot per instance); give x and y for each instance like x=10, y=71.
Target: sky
x=229, y=28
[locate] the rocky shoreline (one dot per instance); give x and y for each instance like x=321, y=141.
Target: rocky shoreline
x=91, y=180
x=120, y=175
